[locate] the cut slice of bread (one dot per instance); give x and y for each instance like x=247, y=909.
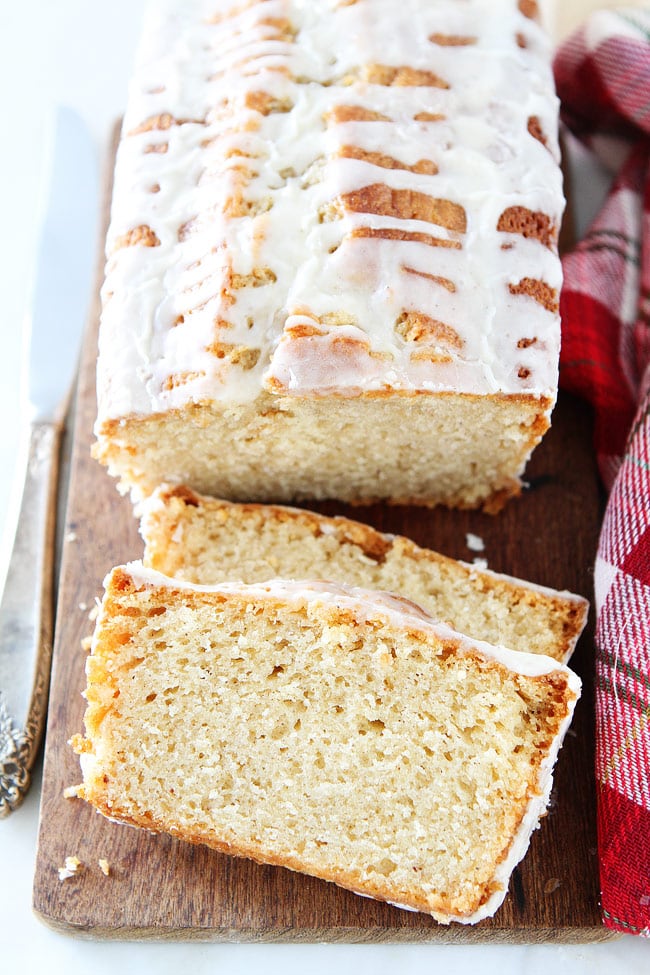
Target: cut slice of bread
x=208, y=541
x=338, y=732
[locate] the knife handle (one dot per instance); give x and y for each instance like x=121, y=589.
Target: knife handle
x=26, y=619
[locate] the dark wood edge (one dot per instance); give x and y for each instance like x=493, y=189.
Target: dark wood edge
x=454, y=934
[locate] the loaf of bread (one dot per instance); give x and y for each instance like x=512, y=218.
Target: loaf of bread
x=208, y=541
x=332, y=262
x=335, y=731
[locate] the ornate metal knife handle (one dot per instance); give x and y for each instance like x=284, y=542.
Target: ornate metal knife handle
x=26, y=619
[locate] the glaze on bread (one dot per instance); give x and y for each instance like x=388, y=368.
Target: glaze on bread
x=332, y=262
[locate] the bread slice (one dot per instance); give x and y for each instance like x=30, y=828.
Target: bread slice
x=208, y=541
x=335, y=731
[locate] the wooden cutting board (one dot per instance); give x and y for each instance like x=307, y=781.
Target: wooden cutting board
x=160, y=888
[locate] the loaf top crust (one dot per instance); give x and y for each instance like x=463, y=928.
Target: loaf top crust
x=348, y=198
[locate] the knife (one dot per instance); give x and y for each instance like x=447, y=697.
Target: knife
x=58, y=311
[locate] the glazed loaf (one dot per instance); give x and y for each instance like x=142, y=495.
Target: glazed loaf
x=335, y=731
x=332, y=262
x=209, y=541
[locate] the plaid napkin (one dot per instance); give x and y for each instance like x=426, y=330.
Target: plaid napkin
x=603, y=79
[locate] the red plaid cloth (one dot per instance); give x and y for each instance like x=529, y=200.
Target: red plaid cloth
x=603, y=80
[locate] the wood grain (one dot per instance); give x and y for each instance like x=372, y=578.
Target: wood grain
x=160, y=888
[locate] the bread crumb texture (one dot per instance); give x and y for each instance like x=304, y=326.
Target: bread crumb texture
x=72, y=867
x=350, y=746
x=207, y=541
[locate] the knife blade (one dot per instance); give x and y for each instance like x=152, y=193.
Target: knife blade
x=58, y=310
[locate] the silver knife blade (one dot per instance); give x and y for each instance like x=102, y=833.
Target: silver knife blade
x=64, y=266
x=60, y=300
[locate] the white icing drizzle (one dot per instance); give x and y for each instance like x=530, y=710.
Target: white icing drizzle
x=228, y=192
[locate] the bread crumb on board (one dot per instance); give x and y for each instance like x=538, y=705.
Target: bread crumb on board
x=71, y=791
x=474, y=542
x=73, y=866
x=105, y=867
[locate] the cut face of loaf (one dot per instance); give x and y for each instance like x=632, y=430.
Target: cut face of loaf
x=334, y=731
x=332, y=264
x=208, y=541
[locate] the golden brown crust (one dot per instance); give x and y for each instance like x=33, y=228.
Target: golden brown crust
x=452, y=40
x=446, y=283
x=138, y=235
x=405, y=76
x=426, y=166
x=539, y=291
x=176, y=379
x=415, y=326
x=429, y=117
x=303, y=331
x=281, y=29
x=243, y=356
x=258, y=278
x=406, y=205
x=393, y=233
x=528, y=223
x=154, y=123
x=161, y=123
x=355, y=113
x=529, y=8
x=535, y=129
x=266, y=104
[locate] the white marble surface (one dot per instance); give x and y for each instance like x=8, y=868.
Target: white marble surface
x=79, y=52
